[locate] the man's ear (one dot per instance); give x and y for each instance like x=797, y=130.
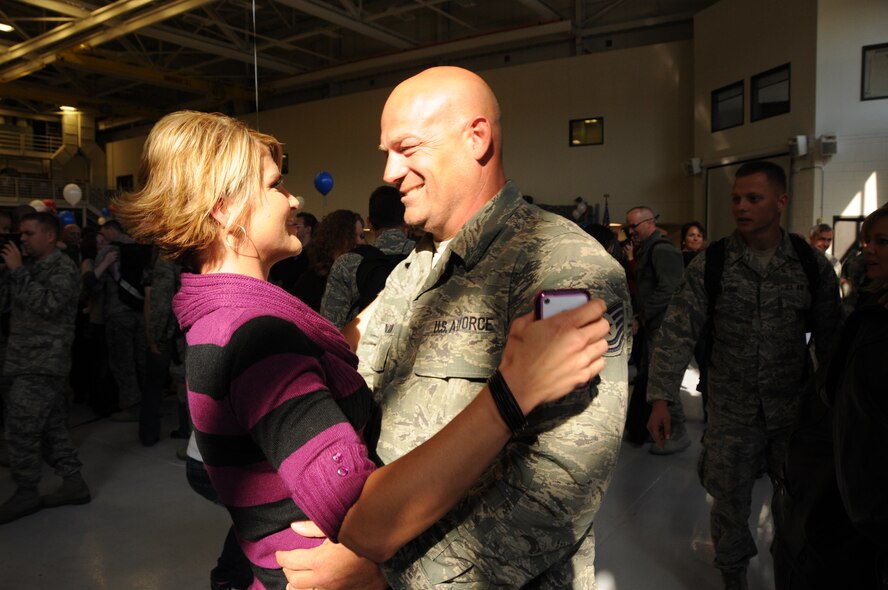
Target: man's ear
x=220, y=212
x=481, y=137
x=782, y=201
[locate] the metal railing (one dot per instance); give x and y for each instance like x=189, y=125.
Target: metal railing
x=21, y=143
x=21, y=191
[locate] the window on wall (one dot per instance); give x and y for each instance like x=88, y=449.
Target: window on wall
x=874, y=80
x=589, y=131
x=769, y=93
x=727, y=106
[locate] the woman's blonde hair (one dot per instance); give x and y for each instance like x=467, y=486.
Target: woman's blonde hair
x=192, y=163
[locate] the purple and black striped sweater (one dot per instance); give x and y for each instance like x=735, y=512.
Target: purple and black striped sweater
x=279, y=412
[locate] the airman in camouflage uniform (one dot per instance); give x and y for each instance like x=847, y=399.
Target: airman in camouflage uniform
x=437, y=331
x=41, y=296
x=436, y=335
x=161, y=329
x=344, y=297
x=124, y=330
x=342, y=293
x=759, y=368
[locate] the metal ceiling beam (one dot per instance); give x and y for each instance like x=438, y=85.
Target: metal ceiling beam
x=156, y=76
x=152, y=16
x=369, y=66
x=543, y=10
x=341, y=19
x=68, y=30
x=43, y=94
x=171, y=36
x=645, y=23
x=65, y=8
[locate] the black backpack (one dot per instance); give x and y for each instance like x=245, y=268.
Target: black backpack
x=134, y=261
x=373, y=271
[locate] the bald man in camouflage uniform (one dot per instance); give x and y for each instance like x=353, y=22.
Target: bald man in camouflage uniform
x=437, y=331
x=41, y=294
x=759, y=368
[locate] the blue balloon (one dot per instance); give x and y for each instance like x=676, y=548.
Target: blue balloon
x=324, y=183
x=105, y=211
x=67, y=218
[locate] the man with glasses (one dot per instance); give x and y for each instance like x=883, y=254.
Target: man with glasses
x=658, y=269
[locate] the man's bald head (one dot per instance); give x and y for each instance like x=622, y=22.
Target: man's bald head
x=454, y=95
x=442, y=133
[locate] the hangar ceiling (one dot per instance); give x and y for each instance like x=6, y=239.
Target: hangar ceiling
x=128, y=62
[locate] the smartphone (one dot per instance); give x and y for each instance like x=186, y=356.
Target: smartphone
x=14, y=238
x=548, y=303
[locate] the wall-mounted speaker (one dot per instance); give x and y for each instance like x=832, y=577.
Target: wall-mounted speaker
x=829, y=144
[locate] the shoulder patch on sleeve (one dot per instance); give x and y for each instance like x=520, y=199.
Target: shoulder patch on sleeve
x=616, y=316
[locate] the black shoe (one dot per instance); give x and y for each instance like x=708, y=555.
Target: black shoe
x=735, y=579
x=73, y=491
x=23, y=502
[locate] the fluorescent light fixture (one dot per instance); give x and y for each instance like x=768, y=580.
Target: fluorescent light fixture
x=5, y=28
x=67, y=109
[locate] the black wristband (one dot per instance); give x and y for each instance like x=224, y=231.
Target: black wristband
x=506, y=403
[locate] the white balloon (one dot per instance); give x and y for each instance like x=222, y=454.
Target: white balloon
x=72, y=194
x=301, y=200
x=39, y=206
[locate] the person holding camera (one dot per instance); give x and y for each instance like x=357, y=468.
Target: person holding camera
x=41, y=293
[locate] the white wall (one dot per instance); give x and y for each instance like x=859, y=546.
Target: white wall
x=644, y=96
x=855, y=180
x=643, y=93
x=735, y=40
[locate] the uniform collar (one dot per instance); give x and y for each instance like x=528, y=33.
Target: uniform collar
x=737, y=250
x=472, y=241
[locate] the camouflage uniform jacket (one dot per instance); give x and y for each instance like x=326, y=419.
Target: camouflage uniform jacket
x=164, y=282
x=108, y=281
x=658, y=271
x=342, y=294
x=42, y=298
x=759, y=354
x=432, y=342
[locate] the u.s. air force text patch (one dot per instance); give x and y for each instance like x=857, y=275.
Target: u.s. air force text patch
x=615, y=315
x=466, y=323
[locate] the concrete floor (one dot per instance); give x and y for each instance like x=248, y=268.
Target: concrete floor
x=146, y=529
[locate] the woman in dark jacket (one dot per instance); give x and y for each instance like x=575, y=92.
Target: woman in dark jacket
x=831, y=512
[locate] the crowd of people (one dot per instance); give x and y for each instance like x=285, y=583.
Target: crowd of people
x=392, y=414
